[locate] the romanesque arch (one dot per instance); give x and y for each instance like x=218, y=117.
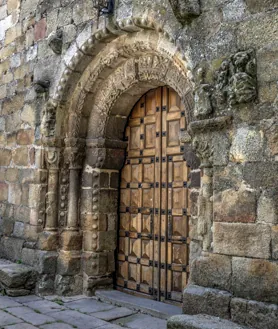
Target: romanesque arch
x=83, y=129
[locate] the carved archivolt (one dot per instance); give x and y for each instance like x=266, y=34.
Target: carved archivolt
x=124, y=44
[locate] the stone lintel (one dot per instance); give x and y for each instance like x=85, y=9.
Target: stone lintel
x=209, y=125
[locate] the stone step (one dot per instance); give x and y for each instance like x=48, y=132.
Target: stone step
x=16, y=279
x=139, y=304
x=201, y=321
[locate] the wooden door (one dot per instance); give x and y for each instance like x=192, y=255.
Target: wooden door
x=153, y=243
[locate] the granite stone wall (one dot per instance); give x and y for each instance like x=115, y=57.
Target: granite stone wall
x=68, y=82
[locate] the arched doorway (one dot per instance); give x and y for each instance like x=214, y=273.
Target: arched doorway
x=153, y=244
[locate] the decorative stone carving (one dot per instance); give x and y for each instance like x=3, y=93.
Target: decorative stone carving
x=185, y=9
x=204, y=150
x=236, y=81
x=55, y=41
x=243, y=81
x=202, y=94
x=49, y=120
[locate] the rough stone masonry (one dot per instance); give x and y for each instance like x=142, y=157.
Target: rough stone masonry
x=69, y=80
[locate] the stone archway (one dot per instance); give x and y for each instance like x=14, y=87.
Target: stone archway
x=84, y=136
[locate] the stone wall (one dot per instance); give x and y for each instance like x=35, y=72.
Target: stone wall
x=224, y=50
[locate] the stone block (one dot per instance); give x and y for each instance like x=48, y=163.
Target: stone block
x=29, y=257
x=15, y=275
x=12, y=248
x=46, y=262
x=267, y=211
x=247, y=145
x=3, y=191
x=45, y=284
x=69, y=262
x=17, y=292
x=71, y=240
x=5, y=157
x=255, y=279
x=48, y=241
x=195, y=250
x=255, y=7
x=95, y=263
x=108, y=201
x=114, y=180
x=249, y=240
x=211, y=270
x=200, y=300
x=18, y=230
x=107, y=240
x=255, y=314
x=261, y=174
x=15, y=193
x=20, y=156
x=236, y=205
x=200, y=321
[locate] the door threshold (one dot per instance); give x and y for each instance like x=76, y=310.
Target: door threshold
x=157, y=309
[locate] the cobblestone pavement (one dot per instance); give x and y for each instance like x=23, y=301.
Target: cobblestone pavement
x=30, y=312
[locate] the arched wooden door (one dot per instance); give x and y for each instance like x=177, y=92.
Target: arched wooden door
x=153, y=243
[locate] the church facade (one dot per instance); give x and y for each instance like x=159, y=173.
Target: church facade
x=139, y=150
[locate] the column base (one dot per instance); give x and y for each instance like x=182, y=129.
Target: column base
x=49, y=240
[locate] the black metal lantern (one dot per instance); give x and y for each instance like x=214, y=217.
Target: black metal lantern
x=104, y=7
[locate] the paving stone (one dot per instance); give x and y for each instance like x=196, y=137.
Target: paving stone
x=57, y=325
x=111, y=326
x=89, y=306
x=66, y=299
x=80, y=320
x=28, y=315
x=6, y=319
x=141, y=321
x=114, y=314
x=27, y=299
x=45, y=306
x=21, y=326
x=154, y=308
x=8, y=302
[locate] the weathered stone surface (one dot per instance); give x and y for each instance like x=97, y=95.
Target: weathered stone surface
x=267, y=211
x=15, y=275
x=211, y=270
x=236, y=205
x=200, y=322
x=198, y=300
x=249, y=240
x=255, y=279
x=254, y=314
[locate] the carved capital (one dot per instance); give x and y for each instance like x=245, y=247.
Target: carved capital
x=204, y=149
x=185, y=9
x=74, y=152
x=52, y=157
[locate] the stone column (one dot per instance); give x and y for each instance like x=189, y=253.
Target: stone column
x=67, y=280
x=99, y=208
x=49, y=238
